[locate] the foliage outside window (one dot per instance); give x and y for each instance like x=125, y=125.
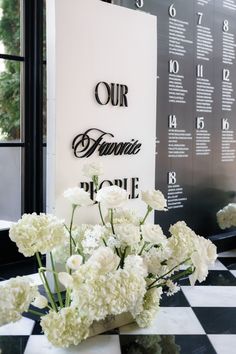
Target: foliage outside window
x=10, y=71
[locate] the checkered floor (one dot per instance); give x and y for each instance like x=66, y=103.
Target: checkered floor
x=199, y=320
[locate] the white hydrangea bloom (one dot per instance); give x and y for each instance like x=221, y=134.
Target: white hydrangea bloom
x=153, y=234
x=97, y=295
x=89, y=295
x=136, y=264
x=104, y=260
x=155, y=199
x=15, y=297
x=92, y=169
x=226, y=217
x=150, y=307
x=37, y=233
x=204, y=255
x=112, y=196
x=186, y=244
x=126, y=292
x=181, y=242
x=65, y=327
x=128, y=234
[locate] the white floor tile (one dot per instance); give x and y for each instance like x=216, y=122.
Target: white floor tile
x=169, y=320
x=223, y=344
x=217, y=266
x=231, y=253
x=20, y=328
x=210, y=296
x=233, y=272
x=103, y=344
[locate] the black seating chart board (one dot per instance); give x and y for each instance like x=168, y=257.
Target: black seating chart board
x=196, y=108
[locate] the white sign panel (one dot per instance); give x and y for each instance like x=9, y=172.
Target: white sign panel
x=101, y=98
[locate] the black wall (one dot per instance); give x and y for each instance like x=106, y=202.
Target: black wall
x=196, y=113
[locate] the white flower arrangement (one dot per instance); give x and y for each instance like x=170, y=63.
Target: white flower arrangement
x=122, y=265
x=226, y=217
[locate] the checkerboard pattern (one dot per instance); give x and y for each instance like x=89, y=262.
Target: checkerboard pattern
x=198, y=320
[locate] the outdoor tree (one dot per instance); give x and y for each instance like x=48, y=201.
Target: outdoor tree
x=10, y=76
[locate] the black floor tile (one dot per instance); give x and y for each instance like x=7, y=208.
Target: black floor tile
x=37, y=329
x=215, y=277
x=154, y=344
x=13, y=344
x=177, y=300
x=217, y=320
x=229, y=262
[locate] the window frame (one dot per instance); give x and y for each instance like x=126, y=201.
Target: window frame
x=32, y=113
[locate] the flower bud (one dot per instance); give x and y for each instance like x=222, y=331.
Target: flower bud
x=74, y=262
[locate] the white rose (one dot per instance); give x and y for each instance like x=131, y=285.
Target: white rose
x=112, y=197
x=65, y=279
x=155, y=199
x=74, y=262
x=128, y=234
x=104, y=260
x=40, y=301
x=153, y=234
x=78, y=196
x=92, y=169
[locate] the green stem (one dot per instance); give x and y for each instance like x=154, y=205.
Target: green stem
x=67, y=301
x=34, y=312
x=71, y=225
x=100, y=212
x=187, y=271
x=111, y=220
x=117, y=252
x=46, y=285
x=95, y=181
x=162, y=276
x=149, y=209
x=123, y=258
x=142, y=249
x=55, y=276
x=67, y=228
x=174, y=277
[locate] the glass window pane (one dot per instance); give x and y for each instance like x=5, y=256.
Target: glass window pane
x=10, y=183
x=10, y=100
x=44, y=177
x=10, y=27
x=44, y=103
x=44, y=30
